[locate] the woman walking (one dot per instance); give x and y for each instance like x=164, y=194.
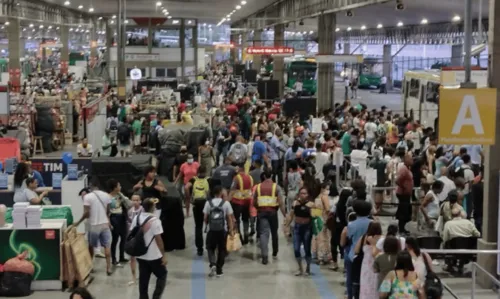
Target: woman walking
x=368, y=281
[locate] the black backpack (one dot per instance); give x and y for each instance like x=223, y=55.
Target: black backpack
x=113, y=125
x=216, y=218
x=432, y=286
x=123, y=134
x=135, y=244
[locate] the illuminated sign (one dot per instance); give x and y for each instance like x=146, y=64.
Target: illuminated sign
x=271, y=50
x=135, y=74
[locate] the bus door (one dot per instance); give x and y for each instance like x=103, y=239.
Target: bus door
x=406, y=88
x=422, y=104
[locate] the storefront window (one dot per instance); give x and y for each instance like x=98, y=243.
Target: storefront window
x=137, y=37
x=166, y=38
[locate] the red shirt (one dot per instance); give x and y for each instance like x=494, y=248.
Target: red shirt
x=181, y=108
x=189, y=171
x=232, y=109
x=404, y=181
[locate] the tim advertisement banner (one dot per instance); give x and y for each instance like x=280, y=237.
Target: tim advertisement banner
x=47, y=167
x=43, y=247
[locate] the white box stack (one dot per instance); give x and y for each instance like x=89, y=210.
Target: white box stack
x=19, y=214
x=33, y=216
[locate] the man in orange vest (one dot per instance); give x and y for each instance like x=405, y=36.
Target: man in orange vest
x=241, y=196
x=268, y=198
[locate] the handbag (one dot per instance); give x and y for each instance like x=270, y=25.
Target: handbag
x=233, y=242
x=432, y=285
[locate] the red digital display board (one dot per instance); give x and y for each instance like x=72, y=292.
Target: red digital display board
x=270, y=50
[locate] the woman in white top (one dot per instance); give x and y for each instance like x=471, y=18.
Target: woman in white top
x=419, y=258
x=430, y=206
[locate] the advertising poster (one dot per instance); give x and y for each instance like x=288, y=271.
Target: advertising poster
x=47, y=167
x=43, y=248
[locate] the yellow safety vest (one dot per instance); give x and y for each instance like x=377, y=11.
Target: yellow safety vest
x=267, y=200
x=241, y=193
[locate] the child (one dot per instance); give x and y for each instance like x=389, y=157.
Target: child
x=135, y=210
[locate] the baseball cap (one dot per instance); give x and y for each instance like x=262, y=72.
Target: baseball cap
x=269, y=135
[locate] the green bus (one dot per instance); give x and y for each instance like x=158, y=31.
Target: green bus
x=302, y=70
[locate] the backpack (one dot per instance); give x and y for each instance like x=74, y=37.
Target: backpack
x=216, y=218
x=135, y=244
x=237, y=153
x=123, y=134
x=432, y=285
x=456, y=173
x=113, y=125
x=200, y=188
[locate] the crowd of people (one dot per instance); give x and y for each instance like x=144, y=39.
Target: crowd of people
x=260, y=163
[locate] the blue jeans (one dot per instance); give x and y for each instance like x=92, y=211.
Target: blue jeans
x=302, y=235
x=348, y=276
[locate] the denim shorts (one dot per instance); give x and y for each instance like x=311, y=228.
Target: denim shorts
x=100, y=235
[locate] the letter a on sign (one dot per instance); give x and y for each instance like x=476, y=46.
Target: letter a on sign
x=468, y=115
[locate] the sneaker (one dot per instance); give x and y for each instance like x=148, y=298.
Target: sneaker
x=123, y=261
x=265, y=260
x=299, y=273
x=100, y=255
x=334, y=267
x=200, y=252
x=220, y=274
x=212, y=271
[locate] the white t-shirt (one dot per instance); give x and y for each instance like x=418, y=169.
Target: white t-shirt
x=151, y=229
x=320, y=161
x=347, y=82
x=84, y=151
x=448, y=185
x=370, y=129
x=98, y=211
x=383, y=80
x=380, y=243
x=298, y=86
x=226, y=207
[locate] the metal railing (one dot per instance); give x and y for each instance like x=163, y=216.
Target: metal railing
x=449, y=290
x=476, y=267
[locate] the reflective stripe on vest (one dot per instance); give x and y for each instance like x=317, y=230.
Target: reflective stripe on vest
x=243, y=193
x=267, y=200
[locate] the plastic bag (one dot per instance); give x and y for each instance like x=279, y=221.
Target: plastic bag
x=15, y=284
x=19, y=264
x=317, y=225
x=233, y=243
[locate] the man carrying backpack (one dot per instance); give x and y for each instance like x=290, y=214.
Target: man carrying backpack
x=238, y=151
x=200, y=194
x=124, y=135
x=145, y=243
x=218, y=218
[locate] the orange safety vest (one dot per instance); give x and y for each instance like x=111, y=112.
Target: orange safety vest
x=243, y=193
x=266, y=195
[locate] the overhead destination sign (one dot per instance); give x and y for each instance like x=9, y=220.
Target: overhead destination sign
x=270, y=50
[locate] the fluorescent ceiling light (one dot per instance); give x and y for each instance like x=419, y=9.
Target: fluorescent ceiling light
x=189, y=22
x=424, y=21
x=70, y=29
x=114, y=17
x=57, y=28
x=126, y=21
x=50, y=27
x=158, y=3
x=238, y=6
x=243, y=2
x=349, y=28
x=204, y=24
x=41, y=26
x=91, y=9
x=169, y=17
x=337, y=30
x=209, y=29
x=363, y=27
x=400, y=24
x=67, y=3
x=80, y=6
x=112, y=22
x=31, y=25
x=380, y=26
x=99, y=18
x=311, y=32
x=456, y=18
x=7, y=23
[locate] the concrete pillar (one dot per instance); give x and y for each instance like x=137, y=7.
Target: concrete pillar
x=151, y=37
x=94, y=55
x=279, y=61
x=489, y=238
x=326, y=45
x=65, y=49
x=233, y=39
x=13, y=35
x=257, y=59
x=182, y=44
x=195, y=48
x=387, y=65
x=347, y=49
x=121, y=69
x=109, y=44
x=457, y=55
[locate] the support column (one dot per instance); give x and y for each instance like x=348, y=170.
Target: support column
x=121, y=41
x=182, y=44
x=151, y=37
x=65, y=49
x=94, y=55
x=489, y=237
x=279, y=61
x=387, y=65
x=257, y=59
x=13, y=35
x=457, y=55
x=325, y=94
x=233, y=38
x=347, y=49
x=195, y=49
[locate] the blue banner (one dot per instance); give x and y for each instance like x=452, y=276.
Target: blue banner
x=72, y=172
x=57, y=180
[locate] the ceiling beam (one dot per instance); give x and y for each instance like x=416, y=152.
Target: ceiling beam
x=286, y=11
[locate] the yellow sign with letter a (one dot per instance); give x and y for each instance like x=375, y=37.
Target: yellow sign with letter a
x=467, y=116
